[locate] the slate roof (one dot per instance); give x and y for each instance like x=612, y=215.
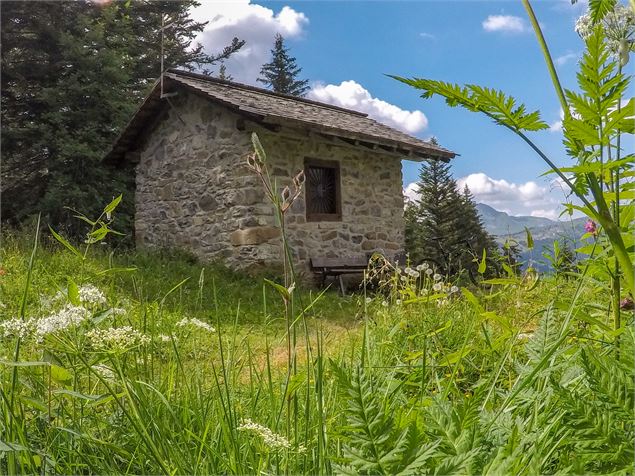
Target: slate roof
x=269, y=108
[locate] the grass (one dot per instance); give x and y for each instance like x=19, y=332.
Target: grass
x=514, y=379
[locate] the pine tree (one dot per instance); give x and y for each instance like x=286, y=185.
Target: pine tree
x=222, y=73
x=443, y=226
x=280, y=74
x=72, y=74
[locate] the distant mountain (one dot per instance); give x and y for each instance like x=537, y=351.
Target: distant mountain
x=543, y=231
x=500, y=223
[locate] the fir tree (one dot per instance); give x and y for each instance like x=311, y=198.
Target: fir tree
x=72, y=74
x=222, y=73
x=442, y=225
x=280, y=74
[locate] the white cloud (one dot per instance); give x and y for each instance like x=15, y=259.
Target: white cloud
x=564, y=59
x=255, y=24
x=427, y=36
x=551, y=214
x=411, y=192
x=352, y=95
x=505, y=23
x=529, y=198
x=556, y=126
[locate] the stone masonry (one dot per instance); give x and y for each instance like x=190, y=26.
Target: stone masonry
x=194, y=191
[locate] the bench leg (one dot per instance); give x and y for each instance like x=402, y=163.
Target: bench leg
x=342, y=286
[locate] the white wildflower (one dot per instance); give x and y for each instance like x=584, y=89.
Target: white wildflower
x=106, y=372
x=429, y=271
x=422, y=267
x=408, y=270
x=116, y=338
x=69, y=316
x=584, y=26
x=437, y=287
x=398, y=302
x=438, y=277
x=454, y=289
x=165, y=338
x=525, y=335
x=404, y=278
x=186, y=321
x=414, y=274
x=269, y=438
x=118, y=311
x=89, y=294
x=17, y=327
x=384, y=303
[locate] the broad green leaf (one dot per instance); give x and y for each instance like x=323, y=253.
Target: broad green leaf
x=530, y=239
x=284, y=292
x=63, y=241
x=61, y=375
x=473, y=300
x=73, y=292
x=112, y=205
x=454, y=357
x=98, y=234
x=482, y=266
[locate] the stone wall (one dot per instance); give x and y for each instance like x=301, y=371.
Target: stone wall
x=194, y=191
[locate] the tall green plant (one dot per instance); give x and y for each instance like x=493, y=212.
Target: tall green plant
x=593, y=125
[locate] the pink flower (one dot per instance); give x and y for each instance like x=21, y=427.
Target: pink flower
x=591, y=227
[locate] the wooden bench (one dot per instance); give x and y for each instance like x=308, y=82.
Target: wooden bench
x=337, y=267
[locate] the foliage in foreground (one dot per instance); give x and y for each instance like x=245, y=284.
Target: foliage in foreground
x=104, y=376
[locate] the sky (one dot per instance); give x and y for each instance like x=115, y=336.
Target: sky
x=347, y=48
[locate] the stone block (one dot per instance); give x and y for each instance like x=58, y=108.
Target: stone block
x=254, y=235
x=207, y=203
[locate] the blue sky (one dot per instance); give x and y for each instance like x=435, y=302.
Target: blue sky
x=347, y=48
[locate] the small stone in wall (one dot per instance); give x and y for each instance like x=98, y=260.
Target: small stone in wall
x=254, y=236
x=207, y=203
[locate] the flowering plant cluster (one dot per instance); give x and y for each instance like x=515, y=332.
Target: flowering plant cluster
x=38, y=329
x=116, y=338
x=271, y=440
x=423, y=282
x=195, y=323
x=618, y=26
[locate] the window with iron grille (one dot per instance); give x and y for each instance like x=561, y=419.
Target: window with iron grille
x=322, y=190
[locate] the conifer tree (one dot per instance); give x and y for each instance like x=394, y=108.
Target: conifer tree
x=72, y=74
x=222, y=73
x=280, y=74
x=442, y=225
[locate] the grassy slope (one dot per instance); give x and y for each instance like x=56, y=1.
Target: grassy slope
x=179, y=405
